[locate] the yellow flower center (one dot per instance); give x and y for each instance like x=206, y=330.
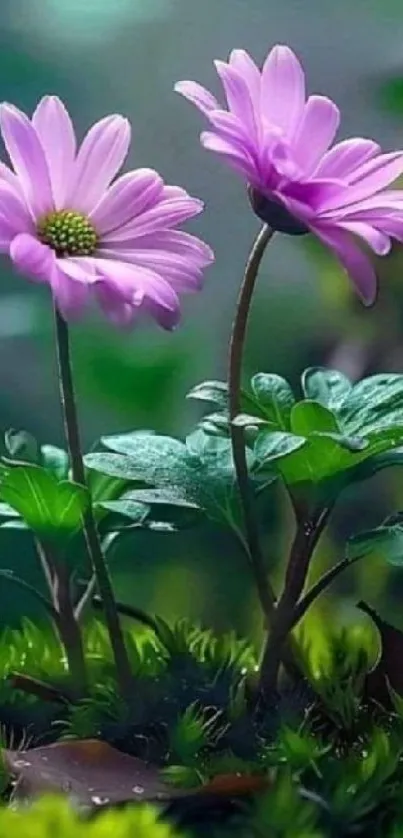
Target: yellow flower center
x=68, y=233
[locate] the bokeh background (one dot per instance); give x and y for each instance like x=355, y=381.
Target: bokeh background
x=125, y=56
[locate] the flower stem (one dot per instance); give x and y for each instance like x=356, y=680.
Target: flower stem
x=237, y=342
x=308, y=532
x=58, y=577
x=95, y=553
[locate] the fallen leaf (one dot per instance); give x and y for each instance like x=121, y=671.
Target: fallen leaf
x=91, y=772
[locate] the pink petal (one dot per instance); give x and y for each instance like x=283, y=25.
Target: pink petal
x=100, y=157
x=28, y=158
x=32, y=258
x=164, y=215
x=241, y=61
x=176, y=242
x=55, y=130
x=127, y=198
x=70, y=289
x=282, y=89
x=347, y=156
x=7, y=176
x=13, y=208
x=370, y=178
x=239, y=98
x=354, y=261
x=239, y=160
x=183, y=275
x=118, y=312
x=138, y=285
x=315, y=132
x=198, y=95
x=376, y=239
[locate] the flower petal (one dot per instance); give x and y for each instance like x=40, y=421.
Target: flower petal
x=347, y=156
x=282, y=89
x=240, y=160
x=131, y=195
x=70, y=288
x=118, y=312
x=28, y=159
x=14, y=210
x=32, y=258
x=357, y=265
x=315, y=132
x=100, y=157
x=164, y=215
x=376, y=239
x=369, y=179
x=198, y=95
x=55, y=130
x=238, y=95
x=242, y=62
x=138, y=285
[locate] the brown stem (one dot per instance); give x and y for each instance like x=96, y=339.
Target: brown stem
x=237, y=341
x=57, y=575
x=319, y=587
x=306, y=538
x=34, y=686
x=94, y=548
x=69, y=629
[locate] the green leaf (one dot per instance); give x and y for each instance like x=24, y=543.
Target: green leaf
x=56, y=460
x=329, y=387
x=385, y=540
x=245, y=420
x=7, y=511
x=215, y=392
x=137, y=512
x=21, y=446
x=309, y=416
x=200, y=473
x=272, y=445
x=274, y=397
x=374, y=406
x=49, y=507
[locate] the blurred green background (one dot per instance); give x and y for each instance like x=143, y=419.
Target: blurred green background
x=124, y=56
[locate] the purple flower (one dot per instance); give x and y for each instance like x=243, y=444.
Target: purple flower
x=64, y=222
x=279, y=141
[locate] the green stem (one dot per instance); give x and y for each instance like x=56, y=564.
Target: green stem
x=237, y=342
x=95, y=553
x=309, y=529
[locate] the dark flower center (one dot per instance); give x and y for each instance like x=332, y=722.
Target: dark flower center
x=68, y=233
x=275, y=214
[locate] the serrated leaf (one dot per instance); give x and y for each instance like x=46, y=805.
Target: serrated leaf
x=329, y=387
x=49, y=507
x=274, y=397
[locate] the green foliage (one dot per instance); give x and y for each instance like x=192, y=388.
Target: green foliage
x=52, y=509
x=53, y=816
x=197, y=474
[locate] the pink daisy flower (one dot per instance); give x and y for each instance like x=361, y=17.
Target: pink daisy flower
x=279, y=141
x=64, y=223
